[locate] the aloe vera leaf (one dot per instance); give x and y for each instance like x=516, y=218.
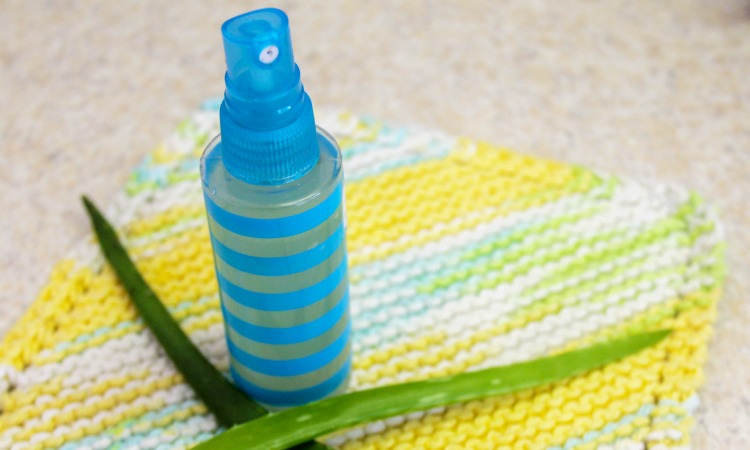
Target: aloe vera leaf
x=230, y=405
x=284, y=429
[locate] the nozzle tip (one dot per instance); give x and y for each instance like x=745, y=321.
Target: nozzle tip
x=258, y=49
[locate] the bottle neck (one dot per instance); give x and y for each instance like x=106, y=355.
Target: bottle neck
x=266, y=112
x=265, y=146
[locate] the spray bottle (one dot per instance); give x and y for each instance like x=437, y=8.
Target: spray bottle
x=273, y=187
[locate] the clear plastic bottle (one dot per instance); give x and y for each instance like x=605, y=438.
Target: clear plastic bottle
x=273, y=187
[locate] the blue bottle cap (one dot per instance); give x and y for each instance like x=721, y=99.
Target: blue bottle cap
x=268, y=132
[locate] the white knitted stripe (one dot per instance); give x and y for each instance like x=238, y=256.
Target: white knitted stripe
x=466, y=317
x=564, y=206
x=580, y=231
x=628, y=197
x=158, y=398
x=373, y=299
x=131, y=354
x=624, y=444
x=186, y=193
x=111, y=356
x=413, y=144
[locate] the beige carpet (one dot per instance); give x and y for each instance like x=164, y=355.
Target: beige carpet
x=656, y=90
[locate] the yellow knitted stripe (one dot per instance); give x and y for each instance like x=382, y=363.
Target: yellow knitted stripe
x=16, y=349
x=645, y=376
x=192, y=410
x=687, y=345
x=412, y=199
x=78, y=302
x=381, y=364
x=14, y=401
x=363, y=132
x=201, y=316
x=161, y=154
x=687, y=349
x=535, y=419
x=374, y=365
x=89, y=409
x=164, y=220
x=366, y=254
x=185, y=272
x=20, y=408
x=640, y=427
x=195, y=236
x=75, y=302
x=120, y=417
x=51, y=357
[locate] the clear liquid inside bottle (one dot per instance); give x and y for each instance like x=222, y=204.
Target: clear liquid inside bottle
x=278, y=203
x=272, y=200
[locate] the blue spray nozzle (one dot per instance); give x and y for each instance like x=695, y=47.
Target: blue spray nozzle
x=267, y=123
x=259, y=56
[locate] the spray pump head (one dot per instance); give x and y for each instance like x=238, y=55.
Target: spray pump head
x=268, y=129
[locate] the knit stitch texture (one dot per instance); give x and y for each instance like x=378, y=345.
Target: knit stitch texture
x=463, y=256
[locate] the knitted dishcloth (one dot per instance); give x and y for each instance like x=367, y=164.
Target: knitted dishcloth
x=463, y=255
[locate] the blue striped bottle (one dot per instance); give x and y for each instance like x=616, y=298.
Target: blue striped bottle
x=273, y=187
